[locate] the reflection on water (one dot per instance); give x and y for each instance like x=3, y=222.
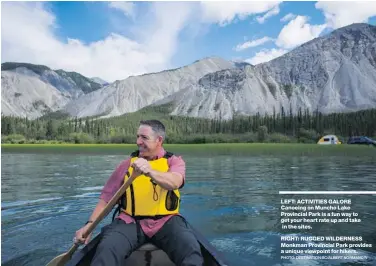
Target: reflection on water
x=232, y=200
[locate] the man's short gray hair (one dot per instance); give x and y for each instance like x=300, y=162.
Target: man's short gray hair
x=156, y=125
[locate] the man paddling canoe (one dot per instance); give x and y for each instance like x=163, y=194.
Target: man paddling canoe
x=150, y=207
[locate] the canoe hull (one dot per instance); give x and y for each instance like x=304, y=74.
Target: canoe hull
x=148, y=255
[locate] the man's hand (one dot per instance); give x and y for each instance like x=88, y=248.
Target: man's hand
x=167, y=180
x=142, y=166
x=79, y=238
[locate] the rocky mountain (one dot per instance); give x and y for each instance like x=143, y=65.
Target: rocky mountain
x=100, y=81
x=134, y=93
x=224, y=94
x=28, y=96
x=33, y=90
x=332, y=73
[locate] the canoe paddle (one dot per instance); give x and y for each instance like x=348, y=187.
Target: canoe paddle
x=62, y=259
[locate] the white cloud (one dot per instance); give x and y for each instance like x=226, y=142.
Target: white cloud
x=224, y=13
x=28, y=36
x=128, y=8
x=27, y=32
x=340, y=14
x=274, y=11
x=297, y=32
x=288, y=17
x=253, y=43
x=266, y=55
x=170, y=19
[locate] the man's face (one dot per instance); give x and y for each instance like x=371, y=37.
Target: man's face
x=147, y=141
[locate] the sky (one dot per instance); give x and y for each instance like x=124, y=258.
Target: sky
x=115, y=40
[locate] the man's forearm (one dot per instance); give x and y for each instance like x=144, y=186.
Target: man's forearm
x=167, y=180
x=98, y=209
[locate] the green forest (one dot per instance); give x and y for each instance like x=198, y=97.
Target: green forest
x=282, y=127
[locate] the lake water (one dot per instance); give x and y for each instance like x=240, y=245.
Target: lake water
x=232, y=200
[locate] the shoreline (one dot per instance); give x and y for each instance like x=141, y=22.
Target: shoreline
x=301, y=149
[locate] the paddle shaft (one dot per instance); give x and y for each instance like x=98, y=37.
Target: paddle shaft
x=65, y=257
x=109, y=206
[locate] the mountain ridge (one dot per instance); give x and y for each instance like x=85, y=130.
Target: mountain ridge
x=32, y=90
x=331, y=73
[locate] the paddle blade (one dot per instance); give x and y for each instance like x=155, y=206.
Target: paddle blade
x=60, y=260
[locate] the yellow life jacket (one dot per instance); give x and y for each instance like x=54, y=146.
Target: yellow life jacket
x=146, y=198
